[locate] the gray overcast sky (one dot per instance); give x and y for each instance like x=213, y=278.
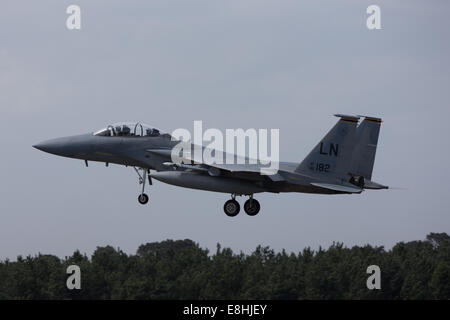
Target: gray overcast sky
x=233, y=64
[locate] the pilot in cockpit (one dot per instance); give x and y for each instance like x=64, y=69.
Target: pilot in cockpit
x=123, y=130
x=130, y=130
x=151, y=132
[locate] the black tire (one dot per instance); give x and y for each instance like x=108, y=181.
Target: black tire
x=143, y=198
x=252, y=207
x=231, y=208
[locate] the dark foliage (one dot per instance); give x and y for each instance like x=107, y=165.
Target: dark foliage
x=182, y=270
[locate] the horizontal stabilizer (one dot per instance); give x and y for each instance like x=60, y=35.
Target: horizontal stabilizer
x=337, y=187
x=373, y=185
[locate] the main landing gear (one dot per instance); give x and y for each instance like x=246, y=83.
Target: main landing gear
x=232, y=207
x=251, y=206
x=143, y=197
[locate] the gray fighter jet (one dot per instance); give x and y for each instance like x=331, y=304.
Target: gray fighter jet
x=341, y=163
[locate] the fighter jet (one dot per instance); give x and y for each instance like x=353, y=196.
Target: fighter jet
x=341, y=163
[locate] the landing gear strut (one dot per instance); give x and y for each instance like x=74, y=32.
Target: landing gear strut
x=143, y=197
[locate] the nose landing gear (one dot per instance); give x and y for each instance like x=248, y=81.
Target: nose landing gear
x=143, y=197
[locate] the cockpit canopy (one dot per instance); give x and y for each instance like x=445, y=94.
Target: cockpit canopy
x=130, y=129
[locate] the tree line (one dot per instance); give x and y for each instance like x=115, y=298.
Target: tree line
x=183, y=270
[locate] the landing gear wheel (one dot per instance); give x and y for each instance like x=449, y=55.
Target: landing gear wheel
x=251, y=207
x=143, y=198
x=231, y=208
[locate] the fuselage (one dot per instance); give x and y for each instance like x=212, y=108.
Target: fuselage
x=341, y=163
x=137, y=151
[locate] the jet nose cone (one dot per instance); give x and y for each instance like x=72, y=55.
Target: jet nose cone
x=66, y=147
x=40, y=146
x=55, y=146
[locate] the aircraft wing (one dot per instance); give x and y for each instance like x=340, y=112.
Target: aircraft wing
x=241, y=167
x=189, y=162
x=256, y=169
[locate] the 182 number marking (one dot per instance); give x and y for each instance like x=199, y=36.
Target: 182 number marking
x=322, y=167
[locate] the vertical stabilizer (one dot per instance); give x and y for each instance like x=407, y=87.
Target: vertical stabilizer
x=365, y=149
x=332, y=156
